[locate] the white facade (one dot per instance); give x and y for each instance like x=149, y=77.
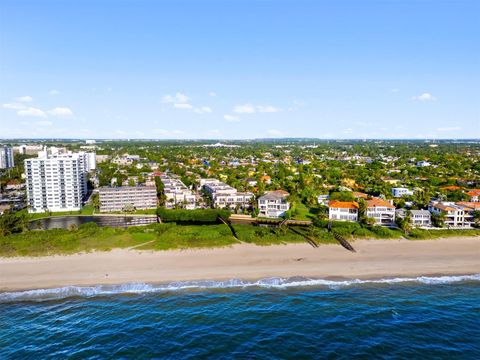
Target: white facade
x=382, y=211
x=6, y=157
x=91, y=161
x=421, y=218
x=418, y=218
x=225, y=196
x=343, y=211
x=399, y=192
x=323, y=199
x=177, y=194
x=273, y=204
x=423, y=163
x=127, y=197
x=455, y=214
x=56, y=182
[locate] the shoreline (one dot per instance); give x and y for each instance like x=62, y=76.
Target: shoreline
x=374, y=259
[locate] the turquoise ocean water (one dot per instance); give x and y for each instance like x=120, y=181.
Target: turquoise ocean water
x=427, y=317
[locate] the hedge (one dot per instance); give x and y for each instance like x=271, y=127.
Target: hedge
x=198, y=216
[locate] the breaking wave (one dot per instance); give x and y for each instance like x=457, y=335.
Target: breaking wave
x=275, y=283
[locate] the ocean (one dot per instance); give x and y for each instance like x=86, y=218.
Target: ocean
x=425, y=317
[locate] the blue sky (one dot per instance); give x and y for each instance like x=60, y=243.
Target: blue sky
x=240, y=69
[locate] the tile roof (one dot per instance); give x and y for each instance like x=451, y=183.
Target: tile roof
x=376, y=202
x=343, y=204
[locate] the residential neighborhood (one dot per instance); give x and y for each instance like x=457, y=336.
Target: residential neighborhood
x=276, y=181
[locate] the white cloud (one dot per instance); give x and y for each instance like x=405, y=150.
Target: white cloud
x=251, y=109
x=44, y=123
x=24, y=99
x=182, y=106
x=424, y=97
x=268, y=109
x=451, y=128
x=203, y=110
x=178, y=98
x=61, y=111
x=244, y=109
x=31, y=111
x=14, y=106
x=231, y=118
x=274, y=132
x=212, y=94
x=348, y=131
x=54, y=92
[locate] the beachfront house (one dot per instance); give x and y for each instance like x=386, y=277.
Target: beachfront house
x=381, y=210
x=455, y=215
x=343, y=210
x=418, y=218
x=273, y=204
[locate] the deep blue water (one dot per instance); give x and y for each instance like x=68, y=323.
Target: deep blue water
x=294, y=319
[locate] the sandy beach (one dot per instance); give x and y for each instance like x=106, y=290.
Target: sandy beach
x=373, y=259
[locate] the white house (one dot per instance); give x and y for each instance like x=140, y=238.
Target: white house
x=474, y=195
x=455, y=214
x=343, y=210
x=273, y=204
x=400, y=192
x=323, y=199
x=420, y=218
x=423, y=163
x=381, y=210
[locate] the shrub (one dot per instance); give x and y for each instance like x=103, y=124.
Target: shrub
x=199, y=216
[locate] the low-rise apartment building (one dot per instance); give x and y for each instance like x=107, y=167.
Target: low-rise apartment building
x=124, y=198
x=177, y=194
x=343, y=210
x=381, y=210
x=225, y=196
x=273, y=204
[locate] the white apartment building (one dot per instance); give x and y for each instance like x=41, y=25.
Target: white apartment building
x=56, y=182
x=225, y=196
x=273, y=204
x=127, y=198
x=399, y=192
x=177, y=194
x=343, y=210
x=381, y=210
x=6, y=157
x=458, y=215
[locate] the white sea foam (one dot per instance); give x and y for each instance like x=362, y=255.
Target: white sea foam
x=276, y=283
